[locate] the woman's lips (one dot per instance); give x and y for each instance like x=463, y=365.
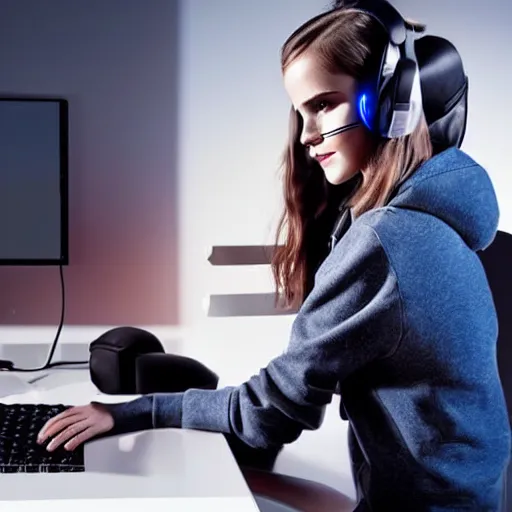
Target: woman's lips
x=323, y=158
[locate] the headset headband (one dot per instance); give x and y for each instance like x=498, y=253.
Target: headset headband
x=390, y=19
x=393, y=105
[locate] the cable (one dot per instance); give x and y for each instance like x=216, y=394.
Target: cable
x=9, y=365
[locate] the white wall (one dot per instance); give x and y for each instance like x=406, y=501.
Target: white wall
x=233, y=123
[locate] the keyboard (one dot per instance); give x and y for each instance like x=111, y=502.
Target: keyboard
x=19, y=451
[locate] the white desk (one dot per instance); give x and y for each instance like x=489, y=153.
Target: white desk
x=162, y=470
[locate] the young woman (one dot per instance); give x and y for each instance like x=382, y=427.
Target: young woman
x=395, y=310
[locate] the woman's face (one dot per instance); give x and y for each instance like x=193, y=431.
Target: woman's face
x=326, y=102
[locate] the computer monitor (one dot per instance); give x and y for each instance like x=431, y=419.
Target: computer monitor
x=33, y=181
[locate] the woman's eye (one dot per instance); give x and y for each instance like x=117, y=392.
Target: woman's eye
x=321, y=105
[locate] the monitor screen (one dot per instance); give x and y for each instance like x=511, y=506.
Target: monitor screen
x=33, y=181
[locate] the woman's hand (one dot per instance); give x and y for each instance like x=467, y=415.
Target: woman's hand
x=75, y=426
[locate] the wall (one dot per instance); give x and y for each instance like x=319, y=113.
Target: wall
x=116, y=63
x=233, y=123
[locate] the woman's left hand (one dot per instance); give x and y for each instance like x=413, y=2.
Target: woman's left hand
x=76, y=425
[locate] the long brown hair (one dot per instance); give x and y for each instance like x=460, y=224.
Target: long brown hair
x=351, y=42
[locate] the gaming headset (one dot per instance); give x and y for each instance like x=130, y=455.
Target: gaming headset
x=391, y=105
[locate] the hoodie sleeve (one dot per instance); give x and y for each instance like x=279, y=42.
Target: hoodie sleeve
x=352, y=317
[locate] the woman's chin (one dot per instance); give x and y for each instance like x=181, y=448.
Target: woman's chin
x=337, y=176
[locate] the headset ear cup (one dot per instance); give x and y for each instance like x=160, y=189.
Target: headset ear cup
x=395, y=106
x=366, y=102
x=384, y=110
x=373, y=91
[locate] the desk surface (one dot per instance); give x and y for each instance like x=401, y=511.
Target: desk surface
x=165, y=469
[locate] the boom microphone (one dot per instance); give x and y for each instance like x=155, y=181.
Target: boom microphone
x=342, y=129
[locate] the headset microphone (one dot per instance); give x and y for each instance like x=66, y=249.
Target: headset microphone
x=342, y=129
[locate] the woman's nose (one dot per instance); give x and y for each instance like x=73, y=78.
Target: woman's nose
x=310, y=136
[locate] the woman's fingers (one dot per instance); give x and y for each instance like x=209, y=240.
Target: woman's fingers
x=76, y=425
x=59, y=422
x=82, y=437
x=69, y=432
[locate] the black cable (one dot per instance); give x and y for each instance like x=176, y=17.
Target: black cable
x=9, y=365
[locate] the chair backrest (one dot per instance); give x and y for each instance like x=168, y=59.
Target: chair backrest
x=497, y=262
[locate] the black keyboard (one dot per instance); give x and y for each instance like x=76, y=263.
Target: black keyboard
x=19, y=451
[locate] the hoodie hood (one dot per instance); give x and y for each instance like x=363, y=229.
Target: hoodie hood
x=457, y=190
